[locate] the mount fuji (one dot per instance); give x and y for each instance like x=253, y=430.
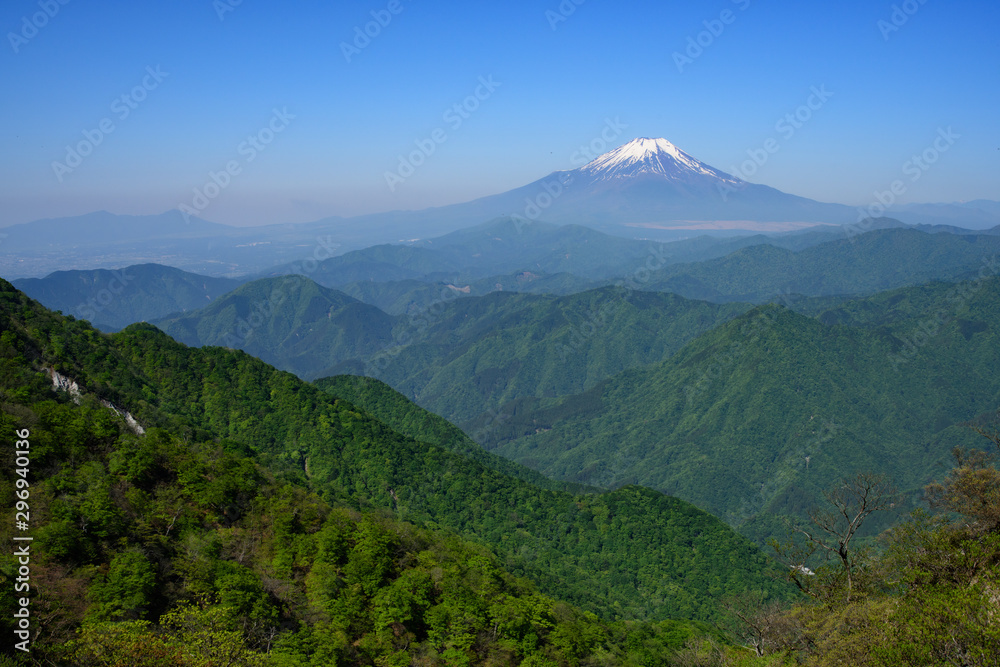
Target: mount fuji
x=646, y=188
x=654, y=158
x=651, y=184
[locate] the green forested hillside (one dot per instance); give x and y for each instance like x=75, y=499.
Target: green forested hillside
x=926, y=596
x=875, y=261
x=290, y=322
x=156, y=550
x=407, y=418
x=112, y=300
x=476, y=354
x=407, y=297
x=633, y=553
x=460, y=357
x=751, y=420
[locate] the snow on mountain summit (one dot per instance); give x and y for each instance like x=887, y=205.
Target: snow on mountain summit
x=645, y=156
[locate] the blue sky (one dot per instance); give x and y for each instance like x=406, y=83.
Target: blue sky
x=211, y=74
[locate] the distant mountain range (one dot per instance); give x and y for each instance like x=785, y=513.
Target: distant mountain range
x=463, y=354
x=872, y=262
x=112, y=300
x=647, y=188
x=510, y=254
x=747, y=412
x=543, y=259
x=629, y=554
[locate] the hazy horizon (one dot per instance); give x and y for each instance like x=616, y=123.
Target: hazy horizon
x=843, y=97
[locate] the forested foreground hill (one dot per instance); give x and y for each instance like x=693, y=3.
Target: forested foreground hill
x=753, y=419
x=256, y=504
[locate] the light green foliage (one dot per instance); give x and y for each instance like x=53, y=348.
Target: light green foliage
x=258, y=522
x=127, y=590
x=929, y=597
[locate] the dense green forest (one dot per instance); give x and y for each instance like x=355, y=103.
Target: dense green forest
x=258, y=515
x=477, y=354
x=463, y=356
x=774, y=404
x=289, y=321
x=405, y=417
x=154, y=550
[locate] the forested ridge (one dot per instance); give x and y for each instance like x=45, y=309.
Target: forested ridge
x=260, y=521
x=773, y=405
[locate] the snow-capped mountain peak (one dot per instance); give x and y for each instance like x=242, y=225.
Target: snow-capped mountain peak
x=654, y=157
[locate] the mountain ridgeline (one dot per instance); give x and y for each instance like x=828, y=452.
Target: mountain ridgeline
x=751, y=420
x=254, y=500
x=553, y=381
x=462, y=355
x=514, y=254
x=112, y=300
x=876, y=261
x=647, y=188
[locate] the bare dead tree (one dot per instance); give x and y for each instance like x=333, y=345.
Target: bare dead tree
x=852, y=503
x=762, y=625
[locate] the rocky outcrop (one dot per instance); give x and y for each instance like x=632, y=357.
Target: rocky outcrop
x=62, y=383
